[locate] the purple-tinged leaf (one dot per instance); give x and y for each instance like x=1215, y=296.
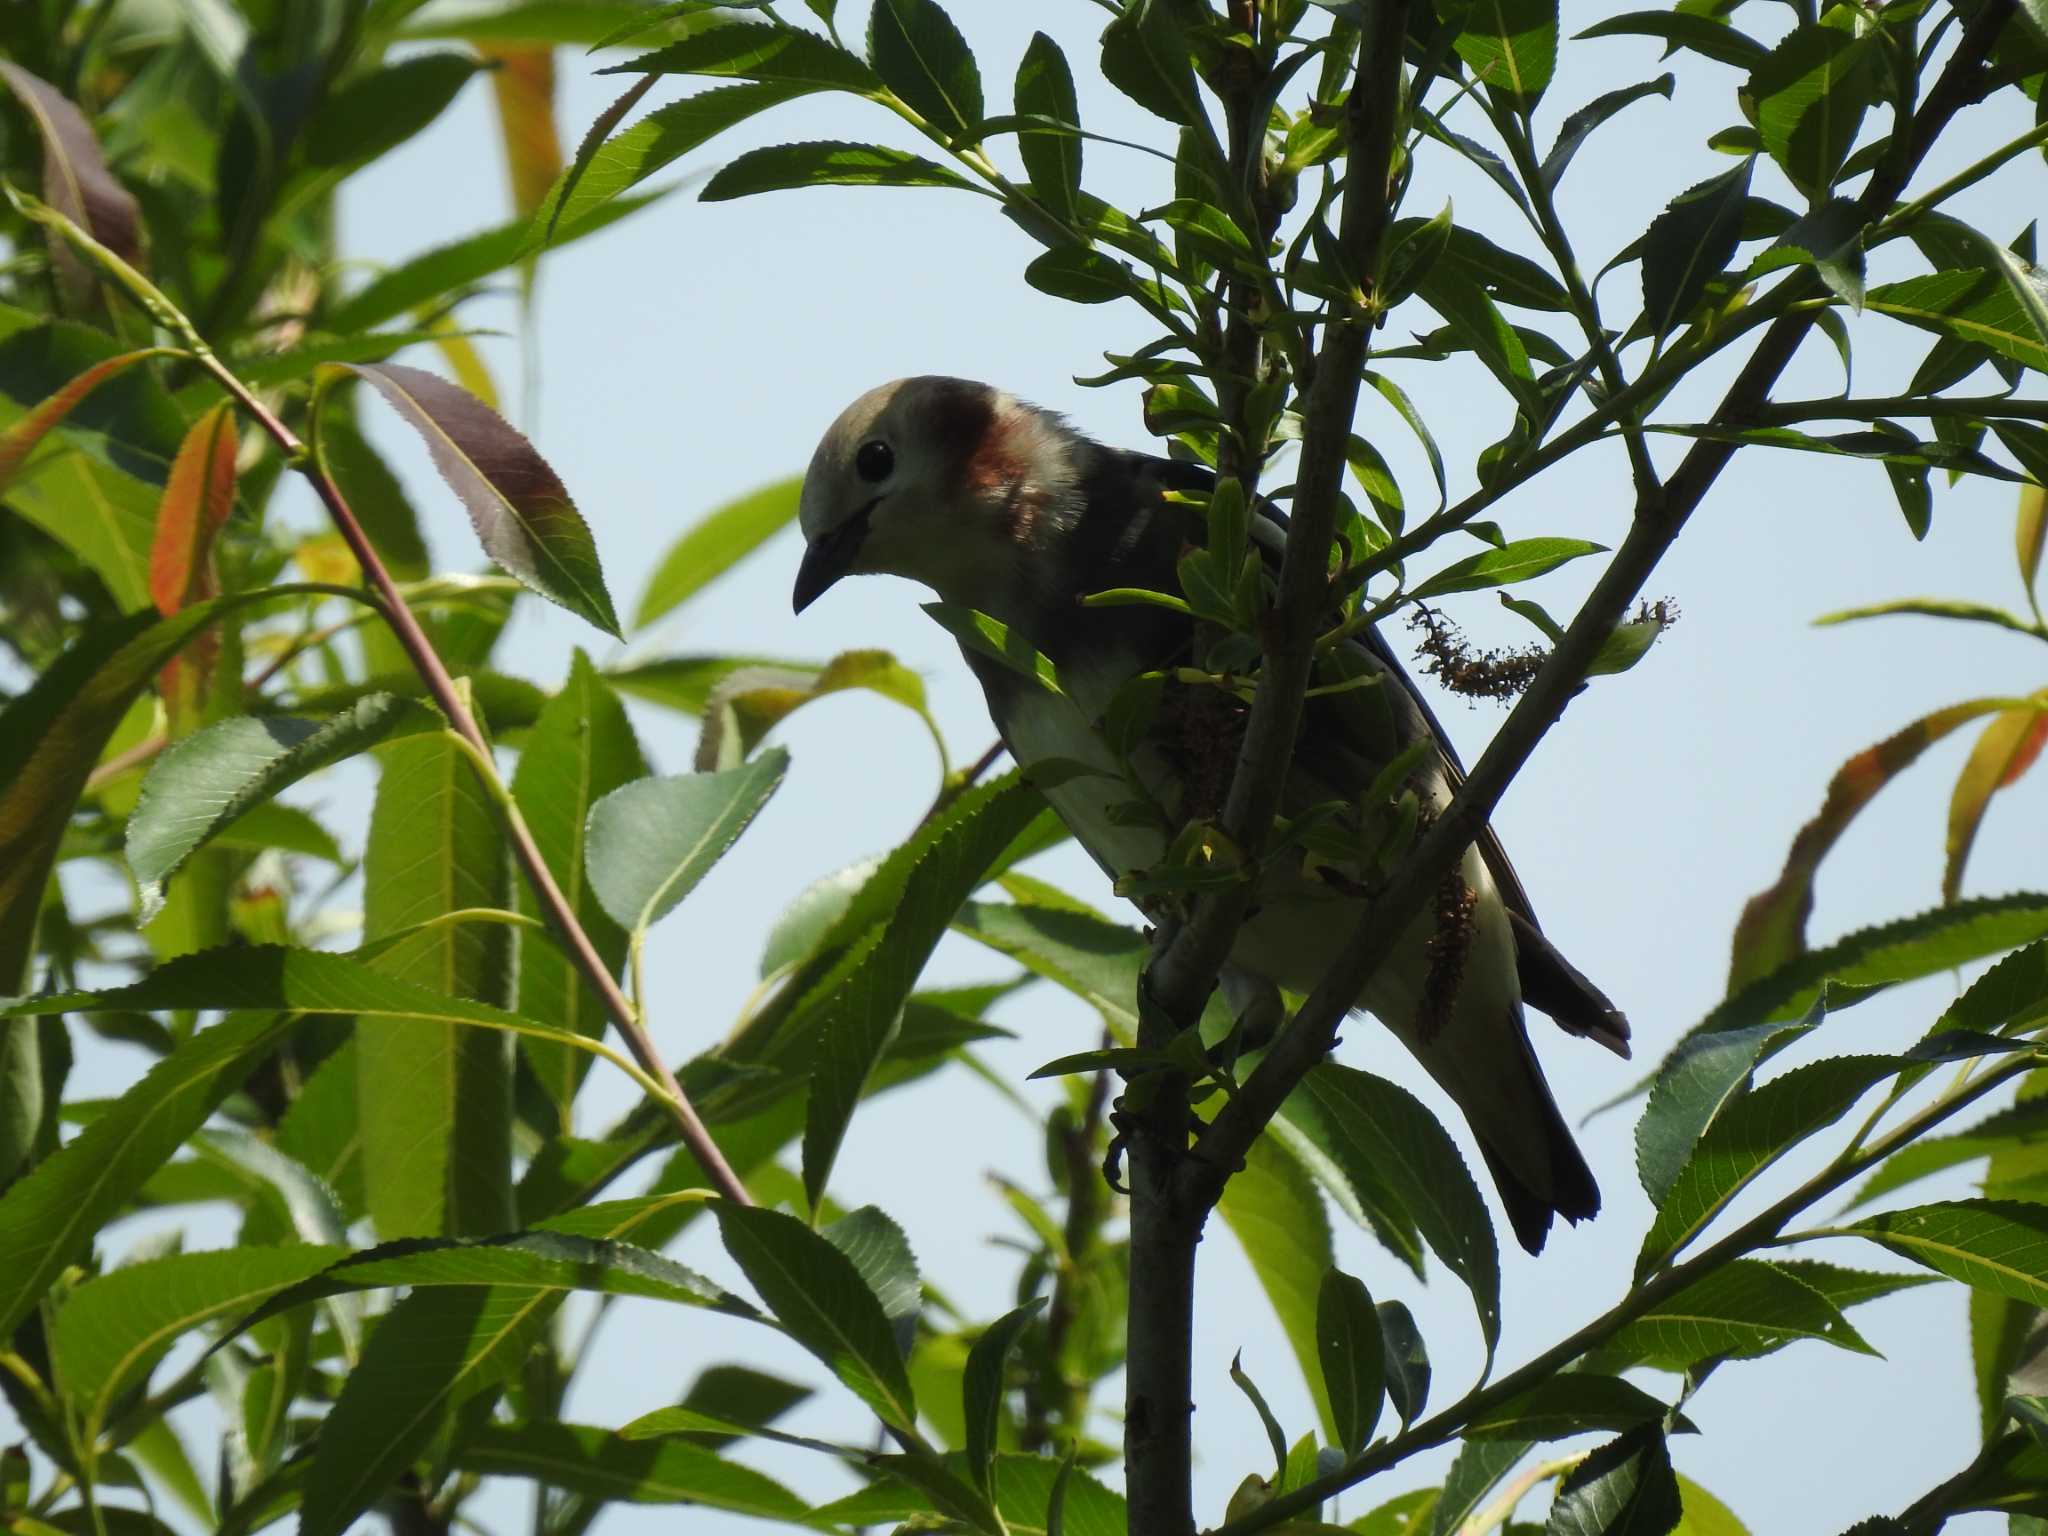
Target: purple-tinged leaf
x=76, y=181
x=521, y=511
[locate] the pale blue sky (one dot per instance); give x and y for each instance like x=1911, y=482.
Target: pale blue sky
x=697, y=350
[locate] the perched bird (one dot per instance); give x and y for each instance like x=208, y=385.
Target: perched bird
x=1003, y=508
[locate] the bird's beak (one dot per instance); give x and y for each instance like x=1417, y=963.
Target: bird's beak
x=827, y=558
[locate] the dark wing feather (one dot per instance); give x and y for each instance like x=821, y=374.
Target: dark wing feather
x=1550, y=983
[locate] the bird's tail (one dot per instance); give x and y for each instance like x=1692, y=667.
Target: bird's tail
x=1544, y=1174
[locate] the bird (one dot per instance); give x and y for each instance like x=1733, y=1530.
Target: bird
x=1003, y=508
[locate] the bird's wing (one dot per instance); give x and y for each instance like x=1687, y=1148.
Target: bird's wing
x=1347, y=736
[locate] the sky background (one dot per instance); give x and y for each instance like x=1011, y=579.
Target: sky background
x=696, y=351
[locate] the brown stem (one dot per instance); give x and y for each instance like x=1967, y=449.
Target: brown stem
x=561, y=915
x=1658, y=521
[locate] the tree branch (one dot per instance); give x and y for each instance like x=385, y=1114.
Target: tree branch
x=1659, y=519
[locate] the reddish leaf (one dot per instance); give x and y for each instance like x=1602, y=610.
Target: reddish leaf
x=198, y=496
x=524, y=84
x=1773, y=925
x=2006, y=750
x=20, y=440
x=76, y=181
x=521, y=512
x=2029, y=533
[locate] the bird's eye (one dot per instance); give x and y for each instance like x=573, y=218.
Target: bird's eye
x=874, y=461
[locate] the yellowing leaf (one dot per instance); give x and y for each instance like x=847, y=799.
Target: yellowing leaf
x=2005, y=750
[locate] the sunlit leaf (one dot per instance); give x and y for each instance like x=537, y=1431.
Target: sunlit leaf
x=1993, y=1245
x=605, y=1467
x=1973, y=304
x=521, y=512
x=1511, y=47
x=2003, y=753
x=752, y=50
x=1810, y=95
x=1742, y=1309
x=651, y=841
x=1275, y=1212
x=1687, y=246
x=825, y=163
x=1518, y=560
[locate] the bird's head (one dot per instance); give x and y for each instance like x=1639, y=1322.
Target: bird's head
x=945, y=481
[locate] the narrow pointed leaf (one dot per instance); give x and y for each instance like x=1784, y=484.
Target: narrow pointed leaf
x=1687, y=246
x=76, y=181
x=716, y=543
x=1571, y=1403
x=1518, y=560
x=853, y=1012
x=1743, y=1309
x=1626, y=1488
x=523, y=86
x=751, y=50
x=436, y=1095
x=1706, y=35
x=982, y=1387
x=202, y=784
x=1477, y=1468
x=1810, y=95
x=1511, y=47
x=521, y=513
x=48, y=1217
x=1145, y=55
x=1992, y=1245
x=1353, y=1356
x=1751, y=1134
x=921, y=56
x=1772, y=929
x=650, y=842
x=2030, y=534
x=1274, y=1210
x=1045, y=89
x=198, y=496
x=2003, y=753
x=606, y=1468
x=26, y=435
x=110, y=1332
x=1582, y=124
x=825, y=163
x=581, y=749
x=750, y=702
x=815, y=1291
x=1973, y=304
x=1373, y=1121
x=52, y=734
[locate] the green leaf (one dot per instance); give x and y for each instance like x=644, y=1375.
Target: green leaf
x=201, y=784
x=1472, y=316
x=378, y=110
x=984, y=636
x=581, y=749
x=1708, y=36
x=436, y=1095
x=1353, y=1356
x=518, y=506
x=1366, y=1120
x=1625, y=1488
x=686, y=683
x=921, y=56
x=1083, y=276
x=715, y=544
x=605, y=1467
x=1582, y=124
x=1705, y=1515
x=49, y=1215
x=1742, y=1309
x=650, y=842
x=1518, y=560
x=1973, y=304
x=982, y=1388
x=825, y=163
x=626, y=159
x=1992, y=1245
x=752, y=50
x=448, y=268
x=110, y=1332
x=1511, y=47
x=1478, y=1466
x=849, y=1017
x=2030, y=535
x=815, y=1291
x=435, y=1350
x=1145, y=55
x=1407, y=1362
x=1572, y=1403
x=1277, y=1217
x=747, y=704
x=1045, y=89
x=52, y=734
x=1810, y=95
x=1713, y=1060
x=1688, y=244
x=1755, y=1131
